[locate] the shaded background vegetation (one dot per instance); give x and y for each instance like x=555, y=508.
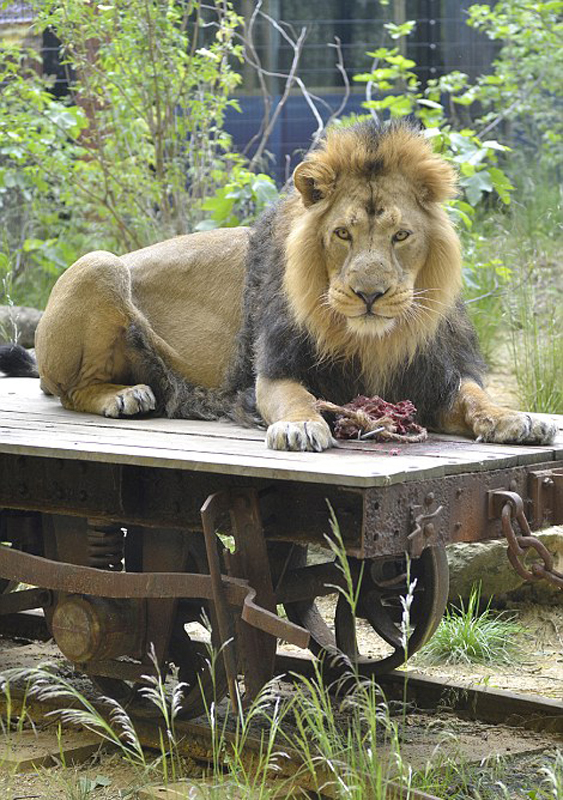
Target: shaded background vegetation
x=125, y=123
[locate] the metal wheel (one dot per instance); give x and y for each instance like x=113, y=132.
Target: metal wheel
x=187, y=658
x=21, y=530
x=334, y=629
x=195, y=622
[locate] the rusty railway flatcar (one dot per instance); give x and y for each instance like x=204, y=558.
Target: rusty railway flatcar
x=129, y=532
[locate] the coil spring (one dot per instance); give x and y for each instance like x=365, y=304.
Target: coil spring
x=106, y=545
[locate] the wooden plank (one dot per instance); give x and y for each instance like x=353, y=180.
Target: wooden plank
x=34, y=424
x=455, y=450
x=28, y=751
x=336, y=467
x=455, y=455
x=450, y=452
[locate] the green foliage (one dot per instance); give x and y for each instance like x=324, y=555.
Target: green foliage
x=134, y=152
x=524, y=87
x=537, y=350
x=241, y=197
x=401, y=94
x=466, y=636
x=486, y=281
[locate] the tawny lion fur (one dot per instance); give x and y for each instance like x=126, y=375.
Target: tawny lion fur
x=348, y=285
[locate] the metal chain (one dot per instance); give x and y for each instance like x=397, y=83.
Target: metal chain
x=518, y=546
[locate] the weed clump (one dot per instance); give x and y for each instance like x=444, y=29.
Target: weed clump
x=467, y=636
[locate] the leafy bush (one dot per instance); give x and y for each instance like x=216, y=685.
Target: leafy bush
x=524, y=87
x=401, y=94
x=136, y=149
x=241, y=196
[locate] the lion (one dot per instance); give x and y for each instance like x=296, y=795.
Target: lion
x=350, y=284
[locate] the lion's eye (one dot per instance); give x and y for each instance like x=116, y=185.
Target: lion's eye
x=400, y=236
x=343, y=233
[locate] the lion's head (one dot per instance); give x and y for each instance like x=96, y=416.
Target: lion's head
x=372, y=260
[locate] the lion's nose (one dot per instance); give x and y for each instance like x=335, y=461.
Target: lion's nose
x=369, y=298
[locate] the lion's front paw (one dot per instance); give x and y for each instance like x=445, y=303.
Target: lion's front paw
x=514, y=427
x=311, y=435
x=132, y=400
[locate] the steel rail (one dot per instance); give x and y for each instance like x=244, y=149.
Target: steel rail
x=195, y=740
x=479, y=703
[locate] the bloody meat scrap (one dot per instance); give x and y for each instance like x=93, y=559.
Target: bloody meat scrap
x=375, y=419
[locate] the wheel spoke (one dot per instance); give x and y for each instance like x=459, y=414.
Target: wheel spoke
x=345, y=628
x=380, y=606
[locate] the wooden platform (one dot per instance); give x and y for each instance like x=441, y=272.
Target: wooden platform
x=32, y=424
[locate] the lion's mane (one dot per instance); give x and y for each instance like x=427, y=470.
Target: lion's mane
x=289, y=332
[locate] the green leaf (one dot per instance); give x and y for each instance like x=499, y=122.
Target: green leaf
x=492, y=144
x=207, y=225
x=476, y=185
x=265, y=190
x=502, y=185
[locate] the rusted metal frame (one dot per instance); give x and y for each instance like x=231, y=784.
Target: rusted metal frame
x=159, y=497
x=256, y=646
x=12, y=602
x=509, y=506
x=250, y=561
x=389, y=513
x=306, y=583
x=546, y=496
x=162, y=550
x=75, y=578
x=216, y=506
x=423, y=533
x=374, y=521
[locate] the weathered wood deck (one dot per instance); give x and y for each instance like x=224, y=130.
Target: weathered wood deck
x=32, y=424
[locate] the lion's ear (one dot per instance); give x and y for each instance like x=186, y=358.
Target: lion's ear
x=313, y=181
x=437, y=180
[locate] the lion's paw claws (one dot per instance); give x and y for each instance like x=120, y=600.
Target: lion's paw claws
x=516, y=427
x=130, y=401
x=313, y=436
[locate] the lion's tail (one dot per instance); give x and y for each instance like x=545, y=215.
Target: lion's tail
x=17, y=362
x=176, y=397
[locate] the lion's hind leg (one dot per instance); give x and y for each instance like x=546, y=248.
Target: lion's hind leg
x=80, y=343
x=111, y=399
x=476, y=414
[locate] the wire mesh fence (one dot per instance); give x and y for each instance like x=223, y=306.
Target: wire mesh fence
x=441, y=42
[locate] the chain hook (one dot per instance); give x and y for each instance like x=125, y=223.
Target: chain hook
x=518, y=545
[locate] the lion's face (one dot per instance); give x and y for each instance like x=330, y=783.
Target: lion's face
x=372, y=262
x=374, y=237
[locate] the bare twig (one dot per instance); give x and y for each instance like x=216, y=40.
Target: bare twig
x=337, y=45
x=290, y=80
x=291, y=77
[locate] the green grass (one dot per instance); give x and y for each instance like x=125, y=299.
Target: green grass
x=514, y=287
x=536, y=346
x=467, y=636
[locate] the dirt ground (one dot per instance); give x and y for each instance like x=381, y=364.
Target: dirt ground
x=538, y=671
